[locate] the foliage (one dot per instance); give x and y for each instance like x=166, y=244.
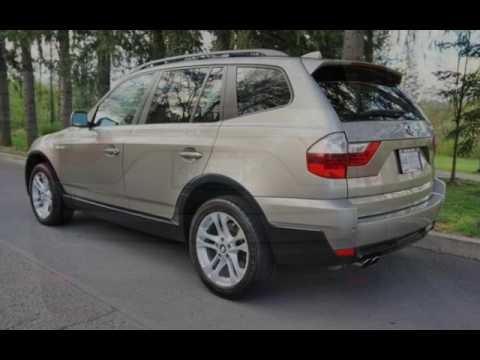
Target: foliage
x=462, y=90
x=460, y=212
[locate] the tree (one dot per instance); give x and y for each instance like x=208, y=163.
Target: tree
x=65, y=75
x=157, y=47
x=293, y=42
x=462, y=88
x=354, y=45
x=410, y=77
x=104, y=50
x=180, y=42
x=328, y=42
x=5, y=131
x=22, y=40
x=223, y=39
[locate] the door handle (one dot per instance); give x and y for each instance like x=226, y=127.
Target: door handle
x=111, y=151
x=191, y=154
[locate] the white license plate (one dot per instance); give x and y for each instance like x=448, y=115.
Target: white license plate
x=410, y=161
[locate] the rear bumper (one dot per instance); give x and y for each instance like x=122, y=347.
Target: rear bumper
x=304, y=231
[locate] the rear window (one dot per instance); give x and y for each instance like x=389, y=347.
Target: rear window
x=363, y=96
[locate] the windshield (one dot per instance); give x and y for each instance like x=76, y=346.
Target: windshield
x=363, y=101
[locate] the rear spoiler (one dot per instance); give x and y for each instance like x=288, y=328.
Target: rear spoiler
x=340, y=70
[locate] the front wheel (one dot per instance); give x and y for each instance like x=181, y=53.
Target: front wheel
x=46, y=197
x=228, y=248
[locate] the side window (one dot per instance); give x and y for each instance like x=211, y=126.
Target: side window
x=120, y=107
x=176, y=95
x=209, y=105
x=260, y=89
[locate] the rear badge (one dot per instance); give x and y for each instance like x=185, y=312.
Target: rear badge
x=409, y=130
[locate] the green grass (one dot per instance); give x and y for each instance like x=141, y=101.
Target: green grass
x=444, y=162
x=461, y=212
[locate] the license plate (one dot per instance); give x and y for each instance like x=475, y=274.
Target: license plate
x=410, y=161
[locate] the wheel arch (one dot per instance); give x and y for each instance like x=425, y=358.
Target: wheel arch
x=34, y=158
x=204, y=188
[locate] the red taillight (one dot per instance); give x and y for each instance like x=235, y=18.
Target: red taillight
x=332, y=166
x=362, y=154
x=345, y=252
x=331, y=156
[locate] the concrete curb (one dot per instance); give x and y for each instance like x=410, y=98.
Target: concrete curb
x=451, y=244
x=438, y=242
x=12, y=155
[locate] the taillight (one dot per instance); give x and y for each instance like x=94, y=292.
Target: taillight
x=331, y=156
x=328, y=157
x=361, y=154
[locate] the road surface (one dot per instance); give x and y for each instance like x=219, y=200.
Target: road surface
x=94, y=275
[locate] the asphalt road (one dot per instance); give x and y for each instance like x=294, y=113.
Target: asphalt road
x=94, y=275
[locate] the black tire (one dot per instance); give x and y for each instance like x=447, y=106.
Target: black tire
x=260, y=263
x=59, y=214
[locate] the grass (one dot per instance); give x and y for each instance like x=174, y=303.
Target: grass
x=444, y=162
x=461, y=212
x=19, y=136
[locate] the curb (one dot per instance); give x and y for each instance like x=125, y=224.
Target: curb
x=437, y=242
x=12, y=155
x=457, y=245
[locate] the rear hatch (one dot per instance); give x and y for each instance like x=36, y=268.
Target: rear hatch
x=373, y=110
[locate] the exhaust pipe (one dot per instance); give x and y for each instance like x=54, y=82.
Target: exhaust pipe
x=366, y=262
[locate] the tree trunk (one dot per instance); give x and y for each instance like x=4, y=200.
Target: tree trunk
x=223, y=39
x=51, y=95
x=29, y=92
x=354, y=45
x=369, y=49
x=5, y=130
x=65, y=72
x=157, y=50
x=453, y=175
x=104, y=63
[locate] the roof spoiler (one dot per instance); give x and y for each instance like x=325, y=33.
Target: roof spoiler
x=341, y=70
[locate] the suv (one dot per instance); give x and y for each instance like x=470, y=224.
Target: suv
x=252, y=158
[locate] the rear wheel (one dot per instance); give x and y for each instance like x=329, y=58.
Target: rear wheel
x=46, y=197
x=228, y=248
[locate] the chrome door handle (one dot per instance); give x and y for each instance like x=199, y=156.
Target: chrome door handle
x=191, y=154
x=111, y=151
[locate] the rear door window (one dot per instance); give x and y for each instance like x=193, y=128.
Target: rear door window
x=260, y=89
x=176, y=96
x=209, y=108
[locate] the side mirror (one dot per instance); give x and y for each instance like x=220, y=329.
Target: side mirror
x=79, y=119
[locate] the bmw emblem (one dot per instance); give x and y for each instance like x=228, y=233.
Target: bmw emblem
x=409, y=130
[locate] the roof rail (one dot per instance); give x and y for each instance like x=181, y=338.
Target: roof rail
x=210, y=55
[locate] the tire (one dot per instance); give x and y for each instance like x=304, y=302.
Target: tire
x=56, y=213
x=248, y=257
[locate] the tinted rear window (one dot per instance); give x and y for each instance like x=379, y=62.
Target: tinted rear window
x=365, y=94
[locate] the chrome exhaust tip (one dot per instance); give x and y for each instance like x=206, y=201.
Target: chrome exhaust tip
x=366, y=262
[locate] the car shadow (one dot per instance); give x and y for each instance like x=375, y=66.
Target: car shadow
x=294, y=285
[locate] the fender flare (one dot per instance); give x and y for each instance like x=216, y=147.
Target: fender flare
x=212, y=179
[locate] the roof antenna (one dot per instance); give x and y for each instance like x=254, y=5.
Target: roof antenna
x=313, y=55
